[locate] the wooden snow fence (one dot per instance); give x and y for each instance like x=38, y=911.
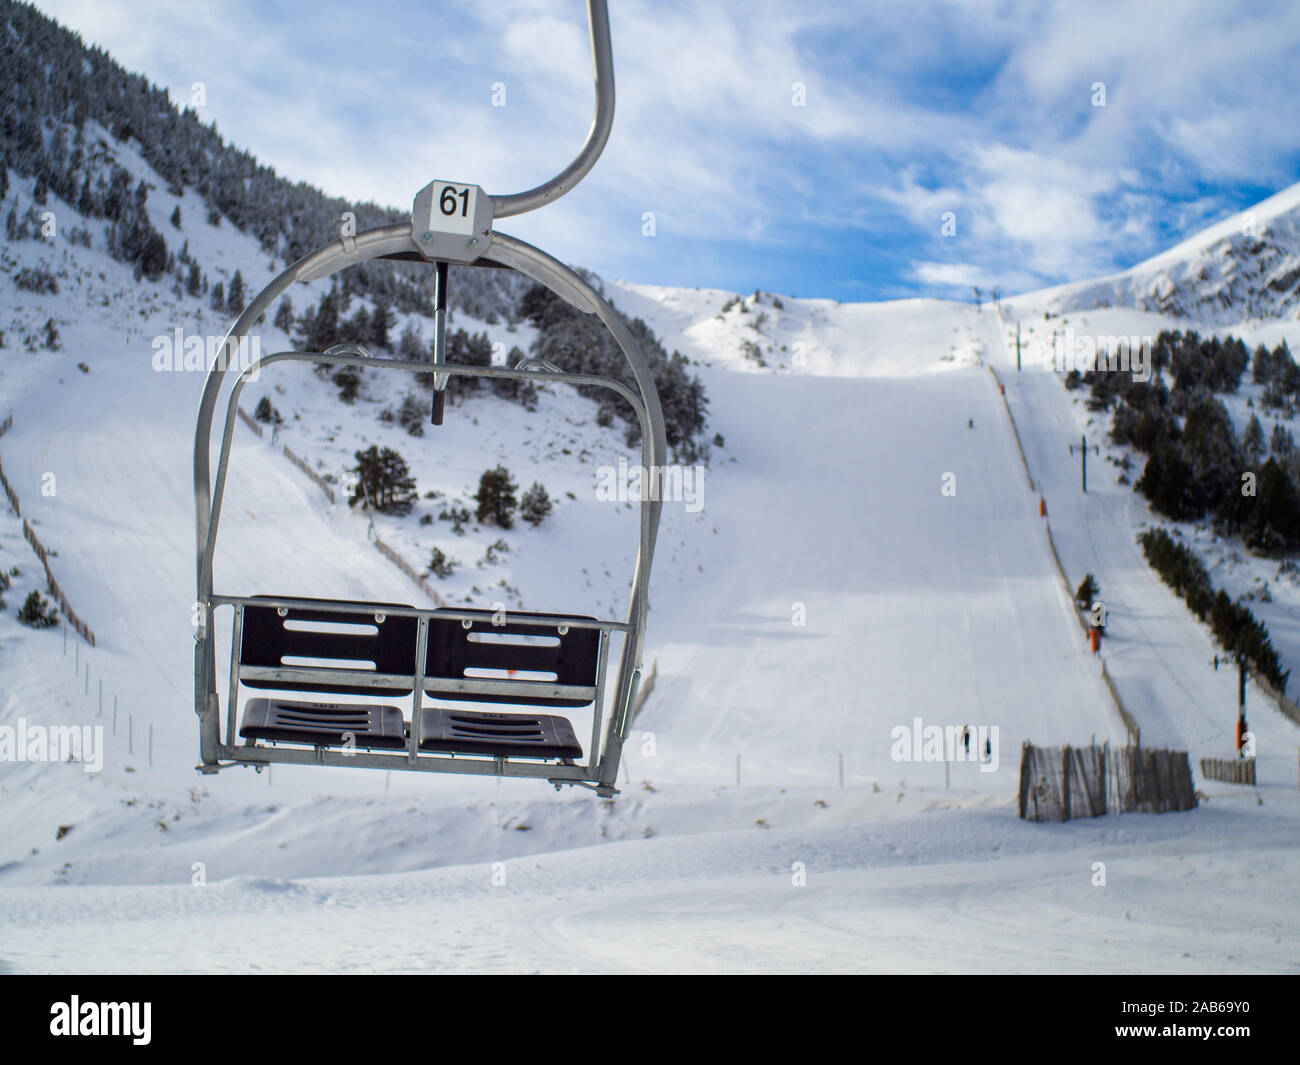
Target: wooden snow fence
x=1229, y=770
x=1061, y=783
x=29, y=534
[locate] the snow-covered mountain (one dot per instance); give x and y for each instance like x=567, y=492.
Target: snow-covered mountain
x=867, y=552
x=1244, y=267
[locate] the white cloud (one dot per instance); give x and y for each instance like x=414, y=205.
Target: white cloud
x=912, y=109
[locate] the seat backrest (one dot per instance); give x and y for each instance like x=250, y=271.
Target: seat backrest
x=315, y=642
x=475, y=664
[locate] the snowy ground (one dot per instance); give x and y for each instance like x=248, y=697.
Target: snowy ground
x=828, y=591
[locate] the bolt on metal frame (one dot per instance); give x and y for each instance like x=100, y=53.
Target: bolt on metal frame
x=486, y=248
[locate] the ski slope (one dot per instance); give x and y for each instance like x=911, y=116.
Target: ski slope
x=916, y=603
x=828, y=593
x=1160, y=656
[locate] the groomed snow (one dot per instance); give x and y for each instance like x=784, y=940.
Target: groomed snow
x=825, y=503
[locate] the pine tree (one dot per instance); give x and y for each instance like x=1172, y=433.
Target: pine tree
x=384, y=481
x=318, y=330
x=1273, y=524
x=194, y=280
x=356, y=330
x=235, y=299
x=380, y=323
x=348, y=380
x=409, y=344
x=219, y=297
x=1252, y=442
x=496, y=497
x=284, y=315
x=1166, y=482
x=1282, y=443
x=176, y=216
x=153, y=256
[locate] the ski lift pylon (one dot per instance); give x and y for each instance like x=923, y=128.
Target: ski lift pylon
x=305, y=662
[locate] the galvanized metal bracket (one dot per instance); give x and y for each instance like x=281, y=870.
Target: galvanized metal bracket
x=451, y=221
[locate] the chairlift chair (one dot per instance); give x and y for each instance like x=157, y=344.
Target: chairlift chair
x=303, y=663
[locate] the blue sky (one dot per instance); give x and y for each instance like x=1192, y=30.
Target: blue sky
x=910, y=110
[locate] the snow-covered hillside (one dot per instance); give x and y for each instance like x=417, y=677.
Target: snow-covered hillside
x=1244, y=267
x=866, y=553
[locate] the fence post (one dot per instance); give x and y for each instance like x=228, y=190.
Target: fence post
x=1065, y=781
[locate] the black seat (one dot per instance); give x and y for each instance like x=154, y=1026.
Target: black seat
x=324, y=724
x=268, y=640
x=479, y=663
x=454, y=651
x=304, y=649
x=314, y=644
x=470, y=732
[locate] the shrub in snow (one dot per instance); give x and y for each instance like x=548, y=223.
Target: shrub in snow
x=412, y=415
x=348, y=380
x=458, y=516
x=535, y=505
x=37, y=280
x=37, y=613
x=1086, y=594
x=265, y=411
x=440, y=565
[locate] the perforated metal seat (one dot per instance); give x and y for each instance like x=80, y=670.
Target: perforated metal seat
x=324, y=724
x=477, y=660
x=308, y=649
x=518, y=735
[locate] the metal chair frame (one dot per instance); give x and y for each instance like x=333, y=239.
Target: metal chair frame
x=484, y=247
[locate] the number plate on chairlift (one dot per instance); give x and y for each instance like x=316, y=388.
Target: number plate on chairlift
x=452, y=220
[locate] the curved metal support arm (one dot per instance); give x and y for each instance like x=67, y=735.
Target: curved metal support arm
x=603, y=62
x=510, y=251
